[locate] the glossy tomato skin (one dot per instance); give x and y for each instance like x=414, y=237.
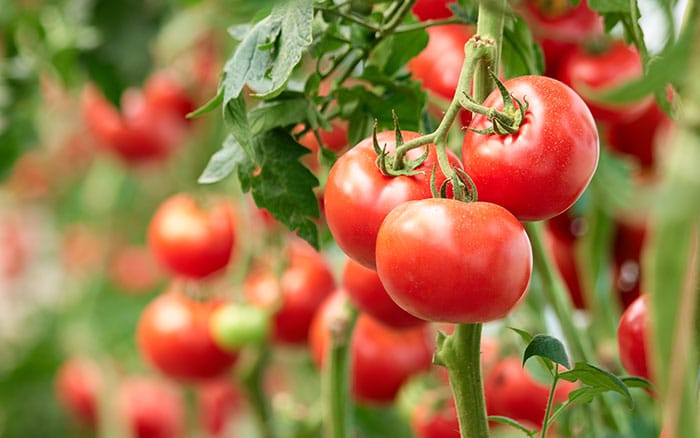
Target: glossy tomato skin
x=632, y=338
x=589, y=72
x=173, y=335
x=296, y=295
x=358, y=196
x=432, y=9
x=151, y=408
x=540, y=171
x=382, y=358
x=510, y=391
x=366, y=291
x=437, y=259
x=190, y=241
x=78, y=383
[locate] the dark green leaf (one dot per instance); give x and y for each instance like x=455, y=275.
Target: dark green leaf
x=396, y=50
x=546, y=347
x=223, y=162
x=637, y=382
x=236, y=116
x=281, y=184
x=585, y=395
x=277, y=113
x=521, y=54
x=597, y=379
x=512, y=423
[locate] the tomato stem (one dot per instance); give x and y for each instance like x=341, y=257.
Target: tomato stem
x=547, y=421
x=461, y=354
x=252, y=383
x=336, y=375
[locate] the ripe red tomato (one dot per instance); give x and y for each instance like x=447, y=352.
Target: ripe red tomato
x=639, y=137
x=563, y=252
x=218, y=402
x=151, y=408
x=336, y=140
x=295, y=295
x=165, y=93
x=382, y=358
x=358, y=196
x=366, y=291
x=589, y=73
x=190, y=241
x=435, y=420
x=632, y=338
x=559, y=27
x=437, y=259
x=77, y=384
x=432, y=9
x=173, y=335
x=510, y=391
x=134, y=270
x=439, y=65
x=544, y=168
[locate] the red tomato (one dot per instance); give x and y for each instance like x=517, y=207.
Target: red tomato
x=190, y=241
x=439, y=65
x=218, y=401
x=510, y=391
x=437, y=259
x=589, y=73
x=151, y=408
x=366, y=291
x=336, y=140
x=432, y=9
x=358, y=196
x=134, y=270
x=632, y=338
x=544, y=168
x=165, y=93
x=560, y=27
x=563, y=252
x=638, y=137
x=295, y=295
x=173, y=334
x=382, y=358
x=431, y=421
x=78, y=383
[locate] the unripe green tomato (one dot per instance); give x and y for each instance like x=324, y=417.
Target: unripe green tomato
x=234, y=326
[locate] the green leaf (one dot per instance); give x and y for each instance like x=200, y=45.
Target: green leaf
x=395, y=51
x=211, y=105
x=609, y=6
x=527, y=337
x=521, y=54
x=512, y=423
x=585, y=395
x=596, y=379
x=546, y=347
x=637, y=382
x=270, y=51
x=612, y=185
x=236, y=116
x=281, y=184
x=224, y=161
x=380, y=422
x=277, y=113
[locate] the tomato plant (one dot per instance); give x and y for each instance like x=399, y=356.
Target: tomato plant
x=553, y=153
x=173, y=335
x=190, y=241
x=358, y=196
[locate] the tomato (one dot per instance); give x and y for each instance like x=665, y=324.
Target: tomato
x=639, y=137
x=541, y=170
x=382, y=358
x=151, y=408
x=190, y=241
x=627, y=252
x=510, y=391
x=295, y=295
x=336, y=140
x=358, y=196
x=432, y=9
x=435, y=420
x=78, y=383
x=596, y=72
x=173, y=335
x=563, y=252
x=632, y=338
x=437, y=259
x=366, y=291
x=218, y=402
x=133, y=269
x=560, y=27
x=439, y=65
x=165, y=93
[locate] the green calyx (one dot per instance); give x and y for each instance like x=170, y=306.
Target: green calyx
x=463, y=186
x=397, y=164
x=504, y=122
